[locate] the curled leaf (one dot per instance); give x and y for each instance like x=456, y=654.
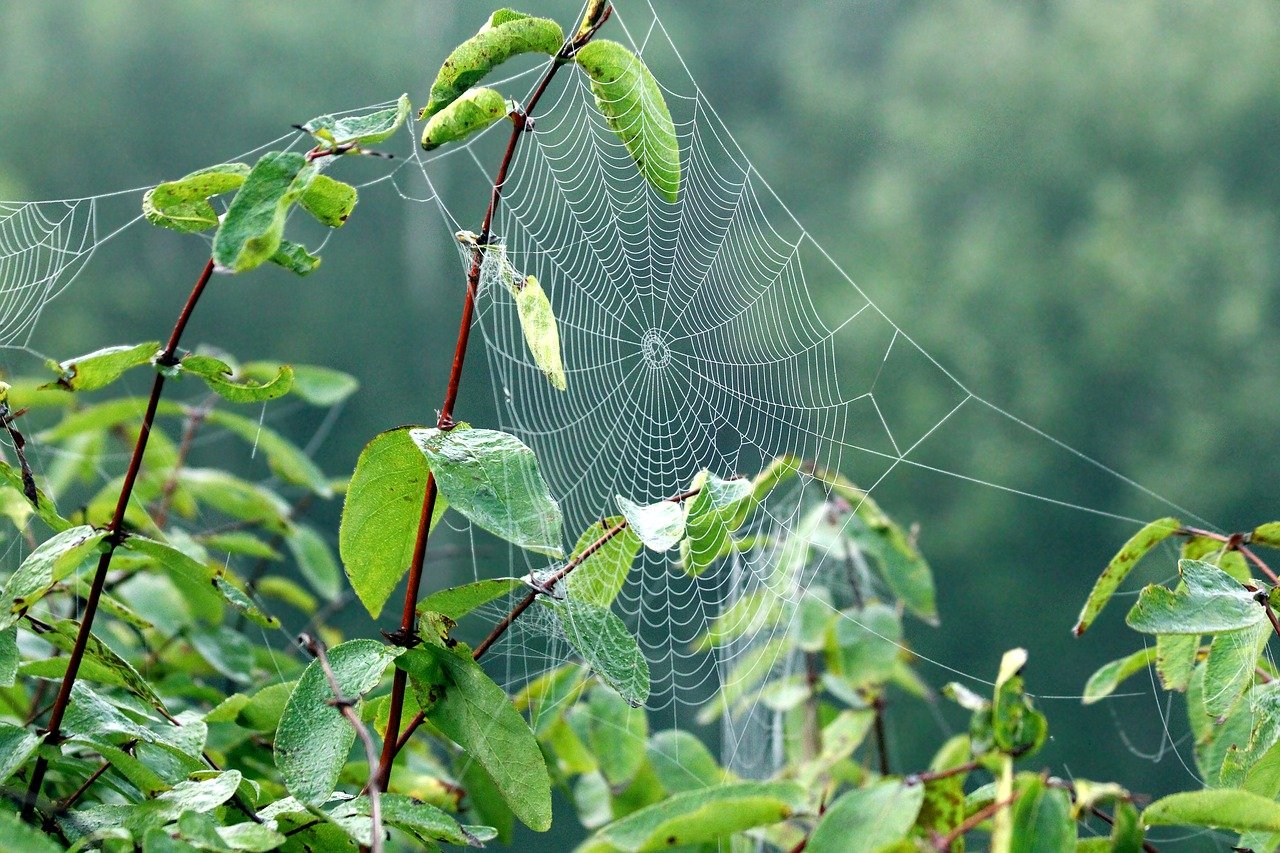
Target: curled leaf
x=100, y=368
x=217, y=375
x=253, y=228
x=183, y=205
x=329, y=201
x=359, y=130
x=475, y=110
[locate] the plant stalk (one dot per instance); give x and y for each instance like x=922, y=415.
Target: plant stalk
x=115, y=536
x=406, y=634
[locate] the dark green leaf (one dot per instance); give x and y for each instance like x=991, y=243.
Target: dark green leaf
x=425, y=822
x=1120, y=566
x=632, y=103
x=1042, y=821
x=492, y=478
x=62, y=635
x=866, y=819
x=182, y=205
x=16, y=746
x=606, y=645
x=359, y=130
x=9, y=656
x=381, y=513
x=100, y=368
x=191, y=572
x=866, y=643
x=1209, y=601
x=504, y=35
x=472, y=112
x=704, y=815
x=313, y=740
x=253, y=226
x=476, y=714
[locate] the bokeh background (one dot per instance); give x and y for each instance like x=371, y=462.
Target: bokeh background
x=1072, y=204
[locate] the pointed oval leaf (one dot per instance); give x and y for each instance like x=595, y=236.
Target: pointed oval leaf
x=1226, y=808
x=54, y=559
x=1042, y=820
x=1121, y=564
x=704, y=815
x=315, y=561
x=253, y=227
x=682, y=762
x=866, y=819
x=458, y=601
x=471, y=113
x=289, y=462
x=381, y=513
x=606, y=645
x=659, y=526
x=504, y=35
x=475, y=713
x=362, y=129
x=1230, y=668
x=600, y=576
x=100, y=368
x=541, y=335
x=492, y=478
x=44, y=508
x=1208, y=601
x=191, y=572
x=1108, y=677
x=217, y=374
x=328, y=200
x=632, y=104
x=313, y=739
x=183, y=205
x=63, y=636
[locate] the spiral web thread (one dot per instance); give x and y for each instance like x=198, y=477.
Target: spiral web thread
x=711, y=333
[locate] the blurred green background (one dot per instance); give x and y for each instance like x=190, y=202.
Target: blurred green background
x=1072, y=205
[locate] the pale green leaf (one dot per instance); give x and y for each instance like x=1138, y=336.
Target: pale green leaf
x=631, y=101
x=1121, y=564
x=193, y=573
x=704, y=815
x=295, y=258
x=659, y=526
x=314, y=739
x=683, y=762
x=1176, y=658
x=289, y=462
x=51, y=561
x=381, y=513
x=472, y=112
x=9, y=656
x=866, y=819
x=492, y=478
x=606, y=645
x=315, y=560
x=616, y=732
x=1042, y=820
x=1229, y=670
x=1224, y=808
x=62, y=634
x=183, y=205
x=599, y=578
x=541, y=334
x=217, y=374
x=1208, y=602
x=364, y=129
x=458, y=601
x=319, y=386
x=328, y=200
x=17, y=745
x=100, y=368
x=1105, y=681
x=710, y=517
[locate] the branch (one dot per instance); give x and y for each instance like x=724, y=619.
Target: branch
x=347, y=708
x=405, y=635
x=115, y=535
x=944, y=844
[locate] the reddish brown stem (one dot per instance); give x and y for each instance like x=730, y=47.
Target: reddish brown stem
x=944, y=843
x=114, y=537
x=405, y=634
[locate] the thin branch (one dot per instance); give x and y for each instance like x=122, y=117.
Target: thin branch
x=405, y=634
x=84, y=786
x=944, y=844
x=934, y=775
x=115, y=535
x=347, y=708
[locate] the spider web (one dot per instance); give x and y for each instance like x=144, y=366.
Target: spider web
x=710, y=333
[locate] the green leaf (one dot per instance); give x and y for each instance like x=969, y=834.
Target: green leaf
x=710, y=516
x=295, y=258
x=315, y=561
x=190, y=572
x=229, y=652
x=62, y=635
x=242, y=500
x=54, y=559
x=1120, y=566
x=476, y=714
x=44, y=507
x=632, y=104
x=314, y=739
x=17, y=745
x=600, y=577
x=1225, y=808
x=682, y=762
x=425, y=822
x=1176, y=659
x=319, y=386
x=1267, y=535
x=1017, y=728
x=289, y=462
x=472, y=112
x=1105, y=681
x=606, y=645
x=865, y=819
x=866, y=644
x=504, y=35
x=100, y=368
x=359, y=130
x=20, y=835
x=704, y=815
x=616, y=732
x=182, y=205
x=381, y=513
x=216, y=373
x=458, y=601
x=659, y=526
x=541, y=335
x=1229, y=670
x=755, y=611
x=9, y=657
x=492, y=478
x=253, y=226
x=1042, y=821
x=1209, y=602
x=329, y=201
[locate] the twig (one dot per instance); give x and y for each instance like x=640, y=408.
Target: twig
x=84, y=786
x=347, y=708
x=405, y=635
x=934, y=775
x=944, y=844
x=882, y=742
x=1110, y=821
x=115, y=535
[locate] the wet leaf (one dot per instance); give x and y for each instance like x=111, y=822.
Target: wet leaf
x=1225, y=808
x=606, y=645
x=600, y=577
x=659, y=526
x=253, y=227
x=51, y=561
x=541, y=335
x=458, y=601
x=328, y=200
x=365, y=129
x=217, y=375
x=1208, y=602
